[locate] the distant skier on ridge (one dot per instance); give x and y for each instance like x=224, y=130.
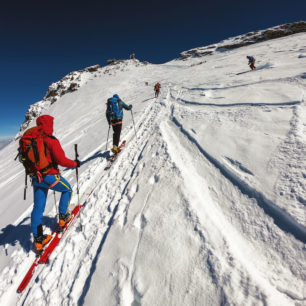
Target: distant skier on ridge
x=41, y=153
x=157, y=89
x=251, y=62
x=114, y=116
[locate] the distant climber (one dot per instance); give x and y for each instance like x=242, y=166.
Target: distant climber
x=114, y=116
x=157, y=89
x=41, y=153
x=251, y=62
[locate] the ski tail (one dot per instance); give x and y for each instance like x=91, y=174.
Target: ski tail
x=28, y=276
x=47, y=251
x=114, y=157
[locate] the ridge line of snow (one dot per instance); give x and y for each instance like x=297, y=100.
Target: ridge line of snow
x=241, y=104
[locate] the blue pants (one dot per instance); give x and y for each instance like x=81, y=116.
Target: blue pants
x=40, y=197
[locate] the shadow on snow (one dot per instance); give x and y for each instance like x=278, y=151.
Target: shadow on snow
x=21, y=233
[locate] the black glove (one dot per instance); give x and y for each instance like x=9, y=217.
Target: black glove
x=130, y=106
x=78, y=163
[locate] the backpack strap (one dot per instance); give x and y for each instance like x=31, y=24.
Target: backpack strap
x=35, y=150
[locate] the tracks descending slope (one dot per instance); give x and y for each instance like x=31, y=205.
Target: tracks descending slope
x=249, y=233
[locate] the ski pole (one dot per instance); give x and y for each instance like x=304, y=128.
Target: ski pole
x=25, y=186
x=107, y=137
x=77, y=179
x=55, y=202
x=134, y=124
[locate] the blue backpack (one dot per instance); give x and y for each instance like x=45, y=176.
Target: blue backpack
x=113, y=112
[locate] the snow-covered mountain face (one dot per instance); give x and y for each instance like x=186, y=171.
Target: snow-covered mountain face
x=206, y=206
x=68, y=84
x=4, y=143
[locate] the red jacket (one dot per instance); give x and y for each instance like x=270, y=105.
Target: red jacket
x=55, y=152
x=157, y=86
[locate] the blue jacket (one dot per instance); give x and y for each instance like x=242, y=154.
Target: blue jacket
x=122, y=106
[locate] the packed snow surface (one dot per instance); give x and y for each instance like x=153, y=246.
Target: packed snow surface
x=204, y=206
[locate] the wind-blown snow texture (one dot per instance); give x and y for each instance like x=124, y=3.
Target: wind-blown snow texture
x=205, y=207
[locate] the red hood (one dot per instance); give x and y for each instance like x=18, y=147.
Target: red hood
x=45, y=122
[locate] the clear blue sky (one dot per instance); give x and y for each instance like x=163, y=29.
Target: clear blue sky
x=42, y=41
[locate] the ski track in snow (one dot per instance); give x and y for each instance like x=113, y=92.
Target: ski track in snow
x=283, y=220
x=90, y=249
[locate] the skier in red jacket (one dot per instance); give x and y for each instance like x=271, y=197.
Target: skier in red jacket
x=51, y=180
x=157, y=89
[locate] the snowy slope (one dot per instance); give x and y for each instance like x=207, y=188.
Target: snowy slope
x=205, y=207
x=4, y=143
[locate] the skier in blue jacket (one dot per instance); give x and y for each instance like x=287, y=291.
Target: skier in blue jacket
x=114, y=116
x=251, y=62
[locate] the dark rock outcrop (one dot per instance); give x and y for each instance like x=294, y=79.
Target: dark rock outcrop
x=71, y=82
x=247, y=39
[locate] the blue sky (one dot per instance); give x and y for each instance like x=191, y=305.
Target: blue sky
x=42, y=42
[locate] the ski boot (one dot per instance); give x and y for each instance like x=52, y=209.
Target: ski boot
x=115, y=150
x=41, y=240
x=63, y=220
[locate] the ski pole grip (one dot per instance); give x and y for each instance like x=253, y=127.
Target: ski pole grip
x=76, y=151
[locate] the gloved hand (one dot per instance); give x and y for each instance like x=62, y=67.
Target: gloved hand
x=78, y=163
x=130, y=106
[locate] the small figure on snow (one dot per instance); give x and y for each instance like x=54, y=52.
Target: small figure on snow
x=114, y=116
x=251, y=62
x=157, y=89
x=41, y=158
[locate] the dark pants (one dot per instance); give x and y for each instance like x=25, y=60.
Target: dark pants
x=252, y=65
x=116, y=136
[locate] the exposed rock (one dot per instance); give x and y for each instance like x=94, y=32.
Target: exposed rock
x=70, y=83
x=247, y=39
x=67, y=84
x=114, y=61
x=92, y=68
